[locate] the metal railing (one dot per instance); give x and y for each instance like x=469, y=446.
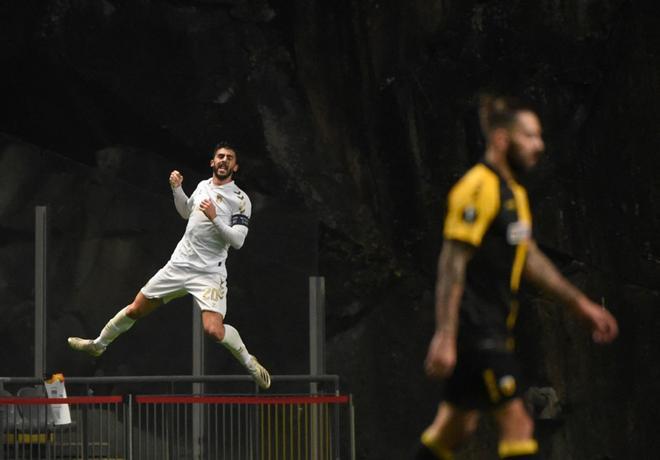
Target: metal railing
x=178, y=425
x=28, y=430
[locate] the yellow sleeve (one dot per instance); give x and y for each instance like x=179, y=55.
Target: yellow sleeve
x=472, y=205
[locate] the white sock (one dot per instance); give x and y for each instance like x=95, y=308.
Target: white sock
x=235, y=345
x=119, y=324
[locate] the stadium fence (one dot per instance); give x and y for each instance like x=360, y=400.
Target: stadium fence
x=180, y=425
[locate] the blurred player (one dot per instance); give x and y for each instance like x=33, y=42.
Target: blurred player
x=218, y=214
x=488, y=247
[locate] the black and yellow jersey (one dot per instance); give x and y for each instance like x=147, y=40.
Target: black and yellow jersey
x=493, y=215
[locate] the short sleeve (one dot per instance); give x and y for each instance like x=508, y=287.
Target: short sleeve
x=472, y=205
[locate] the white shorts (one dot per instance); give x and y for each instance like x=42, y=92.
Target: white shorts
x=209, y=290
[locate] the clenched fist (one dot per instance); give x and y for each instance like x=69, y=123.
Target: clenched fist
x=176, y=179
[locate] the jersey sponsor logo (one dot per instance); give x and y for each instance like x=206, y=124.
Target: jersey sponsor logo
x=517, y=232
x=240, y=219
x=470, y=214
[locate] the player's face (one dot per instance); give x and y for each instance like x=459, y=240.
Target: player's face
x=525, y=142
x=224, y=163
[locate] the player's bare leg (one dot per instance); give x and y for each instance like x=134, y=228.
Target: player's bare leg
x=516, y=431
x=229, y=337
x=120, y=323
x=450, y=429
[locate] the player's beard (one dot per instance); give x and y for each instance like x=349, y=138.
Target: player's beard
x=515, y=160
x=228, y=175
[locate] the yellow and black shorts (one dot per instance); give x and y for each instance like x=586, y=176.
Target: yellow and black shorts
x=483, y=379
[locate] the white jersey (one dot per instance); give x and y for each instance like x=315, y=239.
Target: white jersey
x=203, y=246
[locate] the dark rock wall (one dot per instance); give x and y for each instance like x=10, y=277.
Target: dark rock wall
x=354, y=118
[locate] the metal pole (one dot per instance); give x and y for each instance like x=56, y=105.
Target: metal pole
x=197, y=349
x=316, y=328
x=316, y=353
x=85, y=432
x=40, y=240
x=128, y=449
x=352, y=426
x=198, y=387
x=337, y=416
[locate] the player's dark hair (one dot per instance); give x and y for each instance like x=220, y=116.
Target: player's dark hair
x=499, y=111
x=224, y=145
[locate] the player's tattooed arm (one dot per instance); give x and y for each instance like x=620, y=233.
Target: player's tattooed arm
x=450, y=283
x=541, y=272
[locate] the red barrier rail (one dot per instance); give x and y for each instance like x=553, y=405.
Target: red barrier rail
x=68, y=400
x=248, y=400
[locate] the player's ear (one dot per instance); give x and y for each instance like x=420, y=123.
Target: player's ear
x=235, y=169
x=500, y=138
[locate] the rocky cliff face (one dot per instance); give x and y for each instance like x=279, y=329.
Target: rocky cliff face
x=354, y=118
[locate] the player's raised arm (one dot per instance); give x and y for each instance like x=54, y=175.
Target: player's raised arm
x=541, y=272
x=180, y=198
